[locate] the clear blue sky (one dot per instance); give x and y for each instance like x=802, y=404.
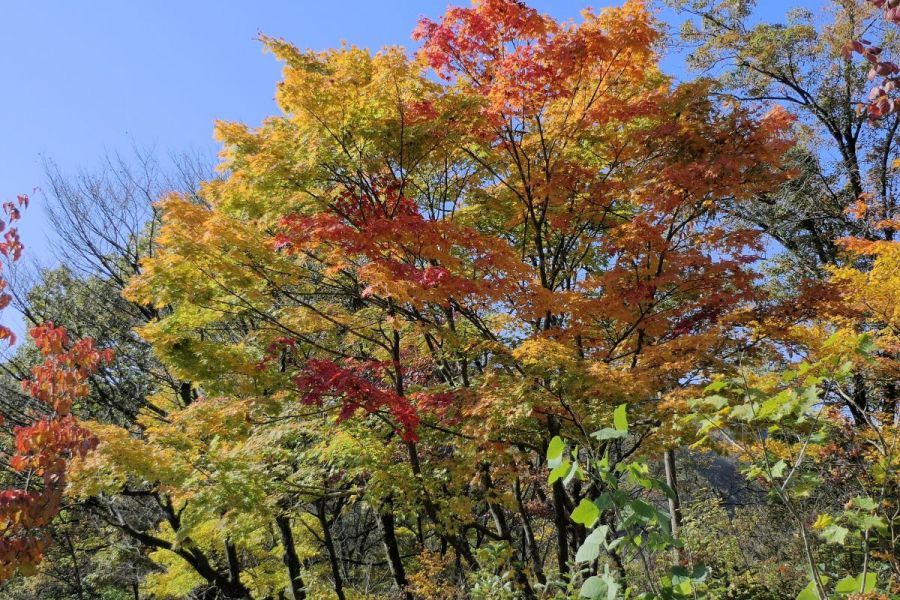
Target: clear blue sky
x=82, y=78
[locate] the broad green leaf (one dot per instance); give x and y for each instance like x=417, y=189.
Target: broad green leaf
x=716, y=386
x=644, y=510
x=864, y=503
x=715, y=401
x=559, y=471
x=808, y=593
x=853, y=585
x=586, y=513
x=742, y=412
x=604, y=586
x=555, y=451
x=620, y=418
x=777, y=405
x=778, y=469
x=866, y=522
x=612, y=587
x=871, y=580
x=574, y=473
x=835, y=534
x=593, y=587
x=847, y=585
x=608, y=433
x=590, y=549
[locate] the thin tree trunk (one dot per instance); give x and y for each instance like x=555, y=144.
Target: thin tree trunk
x=674, y=500
x=561, y=520
x=458, y=542
x=234, y=567
x=560, y=515
x=290, y=558
x=528, y=532
x=392, y=549
x=504, y=532
x=332, y=553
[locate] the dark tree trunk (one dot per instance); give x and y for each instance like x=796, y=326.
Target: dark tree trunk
x=290, y=558
x=504, y=532
x=560, y=514
x=332, y=553
x=392, y=549
x=533, y=551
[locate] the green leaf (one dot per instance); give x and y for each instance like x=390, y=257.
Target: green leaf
x=604, y=586
x=716, y=386
x=612, y=587
x=555, y=451
x=808, y=593
x=663, y=487
x=864, y=503
x=590, y=549
x=847, y=585
x=620, y=418
x=644, y=510
x=866, y=522
x=743, y=412
x=853, y=585
x=867, y=344
x=593, y=587
x=778, y=469
x=608, y=433
x=586, y=513
x=871, y=580
x=559, y=471
x=835, y=534
x=715, y=402
x=573, y=473
x=776, y=405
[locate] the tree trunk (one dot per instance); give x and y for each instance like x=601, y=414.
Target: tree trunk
x=533, y=550
x=290, y=558
x=504, y=532
x=332, y=553
x=674, y=500
x=392, y=549
x=560, y=515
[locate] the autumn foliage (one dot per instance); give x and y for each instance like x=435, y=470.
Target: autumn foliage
x=44, y=448
x=461, y=311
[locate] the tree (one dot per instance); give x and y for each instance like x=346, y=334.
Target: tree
x=102, y=222
x=471, y=266
x=44, y=449
x=500, y=319
x=845, y=159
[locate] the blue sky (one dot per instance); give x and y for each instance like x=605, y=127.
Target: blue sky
x=83, y=78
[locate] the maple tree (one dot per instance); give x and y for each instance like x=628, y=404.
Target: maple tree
x=500, y=319
x=44, y=448
x=441, y=255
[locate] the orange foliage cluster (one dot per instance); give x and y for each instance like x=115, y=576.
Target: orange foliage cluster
x=44, y=448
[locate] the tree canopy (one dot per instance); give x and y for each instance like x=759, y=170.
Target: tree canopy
x=513, y=316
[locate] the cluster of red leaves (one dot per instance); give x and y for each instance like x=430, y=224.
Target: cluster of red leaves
x=63, y=376
x=517, y=58
x=400, y=244
x=891, y=9
x=881, y=100
x=375, y=211
x=44, y=448
x=360, y=385
x=357, y=385
x=10, y=247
